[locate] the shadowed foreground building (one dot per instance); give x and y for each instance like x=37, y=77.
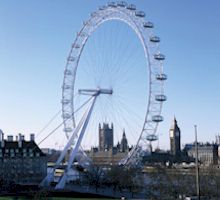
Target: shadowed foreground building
x=21, y=161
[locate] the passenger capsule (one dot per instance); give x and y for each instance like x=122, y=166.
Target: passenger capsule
x=148, y=25
x=122, y=4
x=68, y=129
x=161, y=77
x=131, y=7
x=160, y=97
x=140, y=14
x=159, y=56
x=157, y=118
x=152, y=137
x=65, y=101
x=154, y=39
x=102, y=7
x=112, y=4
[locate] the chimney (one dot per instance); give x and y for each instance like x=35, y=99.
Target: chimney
x=2, y=138
x=22, y=137
x=32, y=137
x=1, y=135
x=10, y=138
x=20, y=140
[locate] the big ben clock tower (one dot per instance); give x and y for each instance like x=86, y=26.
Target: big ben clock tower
x=175, y=139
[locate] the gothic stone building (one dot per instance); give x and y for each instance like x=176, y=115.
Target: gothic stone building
x=105, y=137
x=107, y=153
x=207, y=153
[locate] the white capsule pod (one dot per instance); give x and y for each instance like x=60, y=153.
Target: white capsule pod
x=140, y=14
x=160, y=97
x=154, y=39
x=102, y=7
x=159, y=57
x=122, y=4
x=161, y=77
x=148, y=25
x=112, y=4
x=157, y=118
x=67, y=129
x=131, y=7
x=152, y=137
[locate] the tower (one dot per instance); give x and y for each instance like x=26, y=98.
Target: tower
x=105, y=137
x=124, y=143
x=175, y=139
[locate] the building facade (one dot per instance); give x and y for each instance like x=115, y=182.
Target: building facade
x=21, y=161
x=175, y=136
x=207, y=153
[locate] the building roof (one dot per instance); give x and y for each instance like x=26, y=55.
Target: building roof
x=24, y=145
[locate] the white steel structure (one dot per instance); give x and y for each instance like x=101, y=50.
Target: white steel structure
x=154, y=63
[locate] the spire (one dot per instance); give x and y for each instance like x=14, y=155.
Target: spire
x=174, y=124
x=124, y=142
x=174, y=121
x=124, y=136
x=111, y=125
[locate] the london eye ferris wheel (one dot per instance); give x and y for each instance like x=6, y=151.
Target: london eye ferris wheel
x=113, y=74
x=115, y=59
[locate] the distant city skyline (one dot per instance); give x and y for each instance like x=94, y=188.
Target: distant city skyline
x=35, y=38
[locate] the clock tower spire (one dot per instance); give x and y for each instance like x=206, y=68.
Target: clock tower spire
x=175, y=139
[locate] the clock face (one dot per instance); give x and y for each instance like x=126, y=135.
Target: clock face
x=171, y=133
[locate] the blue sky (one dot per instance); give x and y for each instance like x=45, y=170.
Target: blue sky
x=35, y=37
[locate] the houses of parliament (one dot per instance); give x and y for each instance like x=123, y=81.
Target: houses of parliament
x=106, y=153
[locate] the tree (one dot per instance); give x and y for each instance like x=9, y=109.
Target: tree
x=94, y=176
x=121, y=178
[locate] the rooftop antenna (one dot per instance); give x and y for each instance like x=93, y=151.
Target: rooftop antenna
x=197, y=165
